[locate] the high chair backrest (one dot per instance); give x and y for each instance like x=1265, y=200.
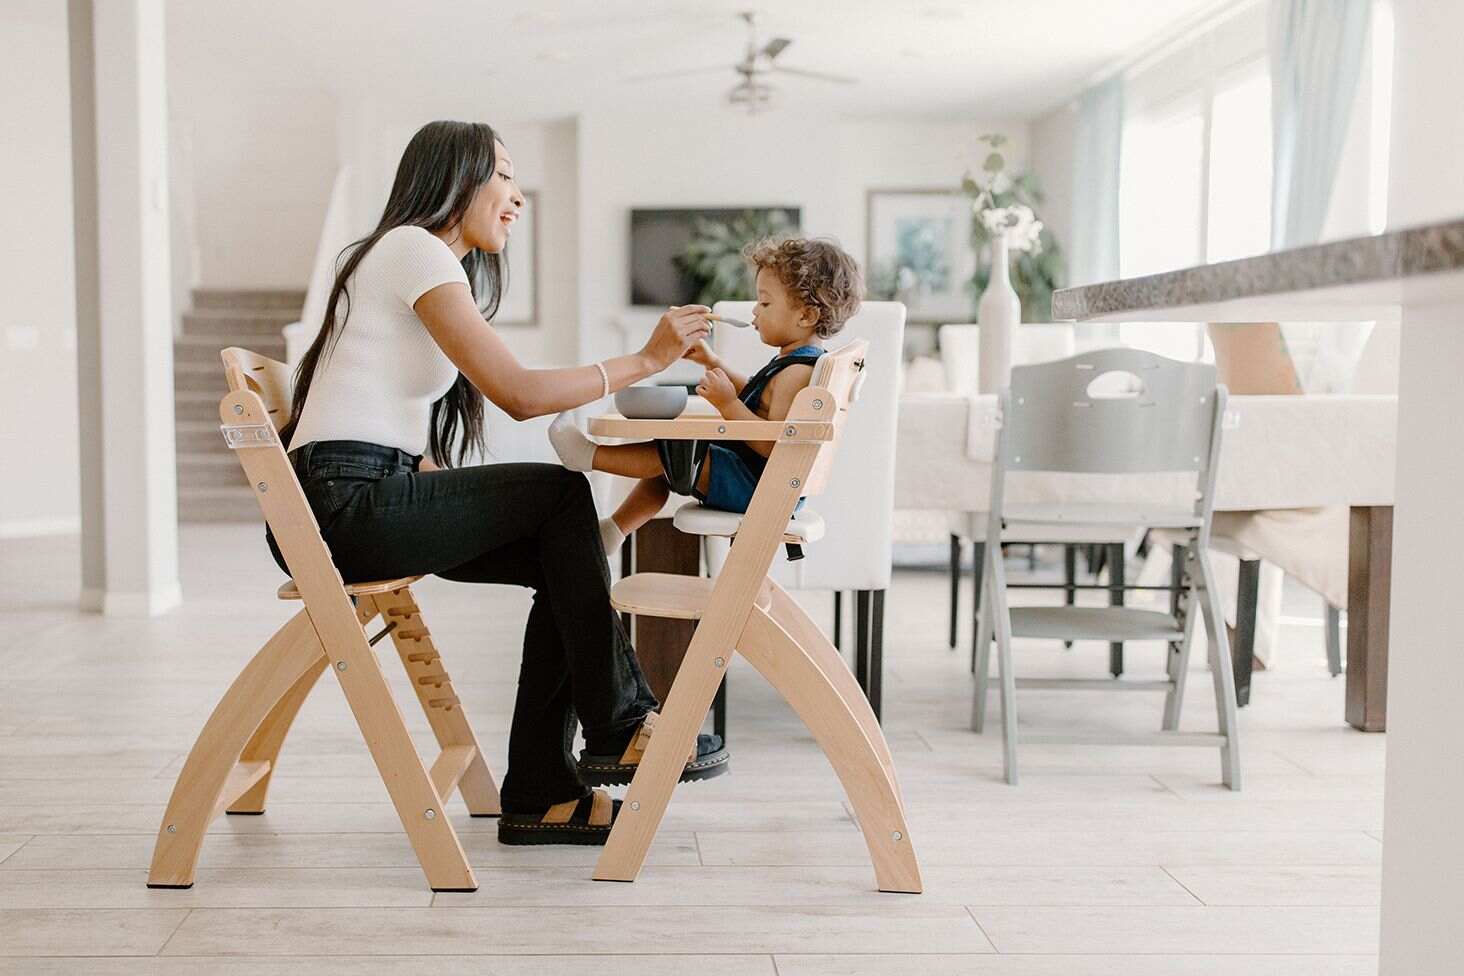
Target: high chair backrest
x=838, y=373
x=251, y=415
x=1052, y=422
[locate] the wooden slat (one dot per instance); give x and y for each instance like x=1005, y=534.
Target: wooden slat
x=669, y=595
x=241, y=780
x=449, y=768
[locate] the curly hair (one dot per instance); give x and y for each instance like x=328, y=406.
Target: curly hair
x=818, y=272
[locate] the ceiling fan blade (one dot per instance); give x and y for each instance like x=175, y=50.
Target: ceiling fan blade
x=680, y=73
x=776, y=47
x=817, y=75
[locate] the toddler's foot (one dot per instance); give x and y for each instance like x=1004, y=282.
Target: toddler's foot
x=575, y=450
x=610, y=535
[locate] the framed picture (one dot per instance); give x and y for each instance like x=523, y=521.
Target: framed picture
x=521, y=305
x=920, y=253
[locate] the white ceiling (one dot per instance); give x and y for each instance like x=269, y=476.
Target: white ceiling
x=522, y=60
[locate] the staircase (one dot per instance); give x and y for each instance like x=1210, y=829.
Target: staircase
x=211, y=485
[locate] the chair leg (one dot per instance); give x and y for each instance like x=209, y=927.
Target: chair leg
x=1115, y=599
x=212, y=778
x=788, y=615
x=1220, y=667
x=996, y=594
x=423, y=664
x=838, y=616
x=1248, y=590
x=861, y=639
x=1179, y=656
x=867, y=782
x=981, y=653
x=1334, y=640
x=270, y=737
x=955, y=587
x=1069, y=578
x=978, y=569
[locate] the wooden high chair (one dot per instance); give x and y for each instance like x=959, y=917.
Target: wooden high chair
x=230, y=765
x=742, y=609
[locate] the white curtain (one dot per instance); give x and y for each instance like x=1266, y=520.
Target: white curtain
x=1098, y=146
x=1316, y=55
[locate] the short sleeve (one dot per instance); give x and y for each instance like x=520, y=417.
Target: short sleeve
x=414, y=261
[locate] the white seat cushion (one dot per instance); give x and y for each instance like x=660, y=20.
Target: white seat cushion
x=694, y=518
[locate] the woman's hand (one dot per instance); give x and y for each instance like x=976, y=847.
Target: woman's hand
x=678, y=330
x=717, y=389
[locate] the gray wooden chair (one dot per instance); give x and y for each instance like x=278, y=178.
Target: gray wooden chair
x=1051, y=423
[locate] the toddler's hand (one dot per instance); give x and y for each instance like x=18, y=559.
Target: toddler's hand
x=701, y=354
x=716, y=388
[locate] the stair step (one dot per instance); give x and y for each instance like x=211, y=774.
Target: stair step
x=210, y=471
x=238, y=327
x=196, y=406
x=198, y=437
x=286, y=299
x=218, y=505
x=205, y=348
x=199, y=378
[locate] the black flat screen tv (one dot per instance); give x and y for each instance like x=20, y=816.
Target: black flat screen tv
x=659, y=235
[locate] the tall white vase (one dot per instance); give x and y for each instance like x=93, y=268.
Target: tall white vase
x=998, y=314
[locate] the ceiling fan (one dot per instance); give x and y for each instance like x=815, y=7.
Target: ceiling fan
x=753, y=91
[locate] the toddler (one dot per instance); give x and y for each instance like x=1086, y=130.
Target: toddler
x=806, y=291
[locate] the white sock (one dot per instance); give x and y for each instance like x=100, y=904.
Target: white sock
x=610, y=535
x=575, y=450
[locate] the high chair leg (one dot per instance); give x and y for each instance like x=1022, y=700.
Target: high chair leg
x=867, y=782
x=1221, y=674
x=267, y=740
x=444, y=712
x=212, y=777
x=981, y=654
x=786, y=612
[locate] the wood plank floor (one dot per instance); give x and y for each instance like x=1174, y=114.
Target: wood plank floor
x=1104, y=861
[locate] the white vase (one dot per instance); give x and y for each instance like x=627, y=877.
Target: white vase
x=998, y=314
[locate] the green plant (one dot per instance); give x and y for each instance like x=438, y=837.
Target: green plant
x=997, y=197
x=713, y=259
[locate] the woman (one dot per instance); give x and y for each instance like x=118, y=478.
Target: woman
x=395, y=373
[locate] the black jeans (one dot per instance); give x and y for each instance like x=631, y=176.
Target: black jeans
x=528, y=525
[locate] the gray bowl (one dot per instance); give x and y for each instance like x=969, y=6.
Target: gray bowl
x=651, y=402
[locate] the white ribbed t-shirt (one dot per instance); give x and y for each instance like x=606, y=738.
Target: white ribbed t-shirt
x=378, y=381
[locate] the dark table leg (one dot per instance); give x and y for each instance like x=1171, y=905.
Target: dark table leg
x=955, y=586
x=1369, y=575
x=660, y=643
x=978, y=566
x=1115, y=599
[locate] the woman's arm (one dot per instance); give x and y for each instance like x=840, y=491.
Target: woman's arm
x=454, y=322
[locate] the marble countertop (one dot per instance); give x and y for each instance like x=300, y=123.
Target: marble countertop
x=1399, y=254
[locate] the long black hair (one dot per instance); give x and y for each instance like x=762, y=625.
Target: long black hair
x=441, y=169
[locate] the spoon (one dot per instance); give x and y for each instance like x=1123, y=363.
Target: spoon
x=737, y=323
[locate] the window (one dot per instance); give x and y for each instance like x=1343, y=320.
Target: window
x=1238, y=222
x=1160, y=212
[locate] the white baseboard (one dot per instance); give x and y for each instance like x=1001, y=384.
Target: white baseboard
x=36, y=527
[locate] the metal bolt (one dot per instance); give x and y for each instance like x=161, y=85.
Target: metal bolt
x=818, y=404
x=898, y=836
x=794, y=483
x=172, y=828
x=1021, y=399
x=790, y=431
x=431, y=814
x=262, y=486
x=635, y=804
x=719, y=662
x=1018, y=459
x=721, y=428
x=340, y=665
x=238, y=408
x=1202, y=399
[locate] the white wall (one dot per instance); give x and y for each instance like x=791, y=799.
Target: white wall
x=255, y=166
x=719, y=158
x=38, y=408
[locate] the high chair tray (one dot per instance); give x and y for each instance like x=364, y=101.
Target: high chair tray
x=712, y=429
